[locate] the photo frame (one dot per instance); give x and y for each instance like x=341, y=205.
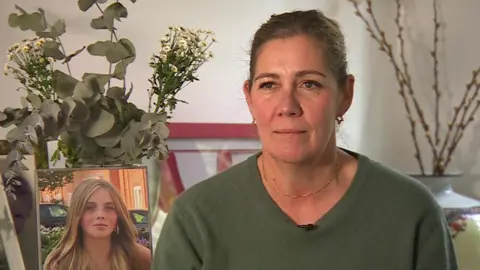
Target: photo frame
x=57, y=189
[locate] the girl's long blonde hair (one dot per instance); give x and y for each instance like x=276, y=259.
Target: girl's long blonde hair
x=70, y=254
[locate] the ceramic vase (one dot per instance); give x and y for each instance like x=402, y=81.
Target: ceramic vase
x=463, y=216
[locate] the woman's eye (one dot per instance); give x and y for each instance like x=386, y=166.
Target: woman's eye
x=267, y=85
x=311, y=84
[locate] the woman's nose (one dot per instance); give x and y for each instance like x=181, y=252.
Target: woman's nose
x=289, y=105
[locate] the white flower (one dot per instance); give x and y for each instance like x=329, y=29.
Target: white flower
x=173, y=68
x=182, y=43
x=166, y=49
x=26, y=48
x=163, y=57
x=50, y=59
x=6, y=68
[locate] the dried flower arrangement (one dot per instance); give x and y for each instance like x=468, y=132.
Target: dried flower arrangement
x=442, y=147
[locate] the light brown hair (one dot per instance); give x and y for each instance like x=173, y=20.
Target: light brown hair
x=312, y=23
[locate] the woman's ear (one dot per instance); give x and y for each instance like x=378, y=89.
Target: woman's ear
x=248, y=96
x=246, y=92
x=347, y=95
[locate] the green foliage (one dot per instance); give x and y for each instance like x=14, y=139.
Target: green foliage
x=182, y=52
x=93, y=119
x=49, y=180
x=49, y=238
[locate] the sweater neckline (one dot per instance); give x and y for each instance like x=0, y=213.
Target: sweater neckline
x=269, y=208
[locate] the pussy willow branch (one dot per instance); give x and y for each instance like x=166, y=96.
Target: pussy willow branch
x=453, y=125
x=463, y=114
x=469, y=108
x=436, y=87
x=406, y=89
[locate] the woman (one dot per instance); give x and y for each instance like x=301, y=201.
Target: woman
x=99, y=234
x=303, y=203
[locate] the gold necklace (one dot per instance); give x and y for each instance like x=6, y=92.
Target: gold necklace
x=334, y=177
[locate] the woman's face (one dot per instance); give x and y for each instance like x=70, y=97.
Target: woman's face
x=294, y=99
x=99, y=218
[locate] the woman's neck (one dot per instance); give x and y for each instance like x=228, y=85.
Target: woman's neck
x=98, y=249
x=296, y=179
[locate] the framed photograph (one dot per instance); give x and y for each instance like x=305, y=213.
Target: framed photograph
x=20, y=239
x=107, y=205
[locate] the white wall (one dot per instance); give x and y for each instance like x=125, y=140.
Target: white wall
x=378, y=129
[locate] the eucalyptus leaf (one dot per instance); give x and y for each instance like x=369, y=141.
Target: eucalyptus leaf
x=70, y=56
x=154, y=117
x=83, y=90
x=121, y=68
x=52, y=49
x=100, y=48
x=34, y=120
x=128, y=45
x=24, y=102
x=30, y=21
x=98, y=23
x=58, y=28
x=99, y=123
x=102, y=79
x=50, y=108
x=31, y=134
x=14, y=155
x=116, y=53
x=13, y=20
x=25, y=147
x=112, y=137
x=15, y=134
x=116, y=92
x=35, y=100
x=63, y=84
x=85, y=5
x=81, y=112
x=112, y=12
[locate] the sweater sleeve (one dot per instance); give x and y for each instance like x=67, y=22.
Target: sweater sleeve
x=176, y=248
x=435, y=246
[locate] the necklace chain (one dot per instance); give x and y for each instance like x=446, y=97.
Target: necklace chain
x=334, y=177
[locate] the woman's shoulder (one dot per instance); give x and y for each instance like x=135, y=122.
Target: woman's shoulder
x=392, y=185
x=143, y=256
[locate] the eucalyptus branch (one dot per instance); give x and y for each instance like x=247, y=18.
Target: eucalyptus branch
x=113, y=30
x=113, y=34
x=60, y=42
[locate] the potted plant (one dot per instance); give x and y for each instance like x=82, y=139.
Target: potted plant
x=91, y=117
x=442, y=138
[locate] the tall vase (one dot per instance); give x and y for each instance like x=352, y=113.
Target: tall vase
x=462, y=214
